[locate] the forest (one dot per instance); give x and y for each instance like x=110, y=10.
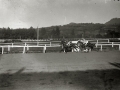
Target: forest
x=71, y=30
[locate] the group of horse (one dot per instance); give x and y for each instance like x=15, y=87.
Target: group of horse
x=79, y=46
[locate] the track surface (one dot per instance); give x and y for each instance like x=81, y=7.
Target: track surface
x=60, y=71
x=50, y=62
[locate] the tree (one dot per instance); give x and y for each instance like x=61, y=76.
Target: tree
x=43, y=33
x=31, y=33
x=57, y=31
x=99, y=36
x=73, y=33
x=53, y=33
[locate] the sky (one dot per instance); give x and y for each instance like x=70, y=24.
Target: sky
x=44, y=13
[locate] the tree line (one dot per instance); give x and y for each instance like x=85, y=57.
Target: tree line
x=30, y=33
x=58, y=32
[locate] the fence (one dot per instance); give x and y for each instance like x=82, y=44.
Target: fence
x=28, y=45
x=45, y=44
x=58, y=39
x=101, y=44
x=108, y=44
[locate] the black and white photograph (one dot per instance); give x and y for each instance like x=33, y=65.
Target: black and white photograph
x=59, y=44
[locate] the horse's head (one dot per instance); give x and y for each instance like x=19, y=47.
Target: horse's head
x=79, y=43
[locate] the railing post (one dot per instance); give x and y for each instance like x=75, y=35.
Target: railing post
x=44, y=49
x=8, y=48
x=37, y=43
x=112, y=44
x=108, y=40
x=72, y=50
x=97, y=41
x=96, y=45
x=119, y=47
x=12, y=44
x=50, y=43
x=24, y=49
x=101, y=48
x=2, y=50
x=25, y=44
x=27, y=48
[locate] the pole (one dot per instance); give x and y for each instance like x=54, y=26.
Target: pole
x=112, y=44
x=101, y=48
x=12, y=45
x=44, y=49
x=97, y=41
x=25, y=44
x=24, y=49
x=119, y=47
x=108, y=40
x=27, y=48
x=37, y=33
x=2, y=50
x=96, y=45
x=8, y=48
x=50, y=43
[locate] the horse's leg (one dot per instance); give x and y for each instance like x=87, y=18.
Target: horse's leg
x=62, y=49
x=89, y=49
x=72, y=48
x=65, y=49
x=80, y=47
x=77, y=49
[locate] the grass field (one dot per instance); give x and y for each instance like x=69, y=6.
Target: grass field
x=60, y=71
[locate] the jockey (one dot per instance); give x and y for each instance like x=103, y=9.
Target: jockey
x=84, y=41
x=69, y=43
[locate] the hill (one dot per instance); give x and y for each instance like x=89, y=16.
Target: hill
x=71, y=30
x=78, y=29
x=114, y=21
x=87, y=29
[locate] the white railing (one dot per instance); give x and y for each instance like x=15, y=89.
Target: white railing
x=27, y=46
x=46, y=44
x=97, y=40
x=41, y=43
x=2, y=40
x=109, y=44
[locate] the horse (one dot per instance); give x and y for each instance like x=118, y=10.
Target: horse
x=81, y=45
x=74, y=47
x=65, y=47
x=85, y=47
x=69, y=46
x=90, y=45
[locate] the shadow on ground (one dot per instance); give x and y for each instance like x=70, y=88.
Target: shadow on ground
x=68, y=80
x=115, y=64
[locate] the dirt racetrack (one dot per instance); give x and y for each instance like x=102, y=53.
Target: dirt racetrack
x=60, y=71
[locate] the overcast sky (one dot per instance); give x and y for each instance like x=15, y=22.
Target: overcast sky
x=43, y=13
